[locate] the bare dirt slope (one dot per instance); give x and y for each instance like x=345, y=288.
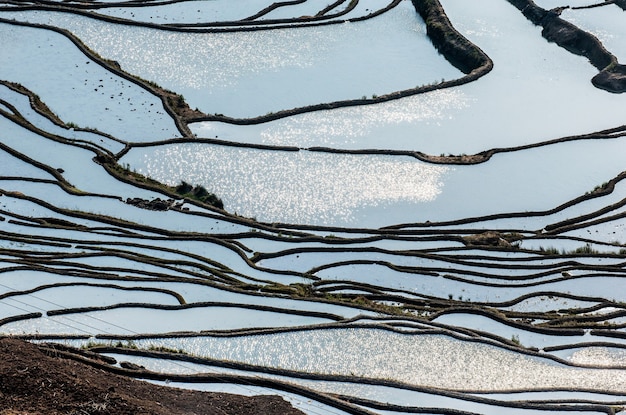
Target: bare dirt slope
x=33, y=382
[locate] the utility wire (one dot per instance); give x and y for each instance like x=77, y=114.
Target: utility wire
x=99, y=330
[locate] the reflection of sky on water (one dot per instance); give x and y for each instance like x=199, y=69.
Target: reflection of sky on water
x=144, y=320
x=77, y=89
x=536, y=91
x=247, y=74
x=599, y=356
x=414, y=359
x=394, y=124
x=198, y=11
x=527, y=98
x=373, y=190
x=606, y=23
x=293, y=186
x=499, y=110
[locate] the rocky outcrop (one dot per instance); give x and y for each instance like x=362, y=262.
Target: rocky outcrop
x=491, y=239
x=154, y=204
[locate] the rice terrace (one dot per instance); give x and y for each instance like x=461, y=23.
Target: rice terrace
x=355, y=207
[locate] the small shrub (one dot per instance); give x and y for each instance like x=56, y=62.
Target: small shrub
x=549, y=250
x=586, y=249
x=184, y=188
x=180, y=101
x=165, y=349
x=599, y=188
x=200, y=191
x=128, y=345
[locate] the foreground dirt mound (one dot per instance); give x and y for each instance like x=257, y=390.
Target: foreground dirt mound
x=32, y=382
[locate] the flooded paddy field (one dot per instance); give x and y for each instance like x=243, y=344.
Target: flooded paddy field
x=365, y=207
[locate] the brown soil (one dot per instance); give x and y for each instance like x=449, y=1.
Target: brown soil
x=33, y=382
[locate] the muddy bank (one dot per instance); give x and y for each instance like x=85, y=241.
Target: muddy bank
x=459, y=51
x=39, y=380
x=612, y=76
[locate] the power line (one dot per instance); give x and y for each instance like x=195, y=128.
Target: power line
x=98, y=330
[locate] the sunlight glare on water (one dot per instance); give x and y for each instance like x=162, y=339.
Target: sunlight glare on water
x=293, y=186
x=396, y=121
x=600, y=356
x=414, y=359
x=364, y=126
x=251, y=73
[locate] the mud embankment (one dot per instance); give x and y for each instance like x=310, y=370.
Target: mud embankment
x=612, y=76
x=459, y=51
